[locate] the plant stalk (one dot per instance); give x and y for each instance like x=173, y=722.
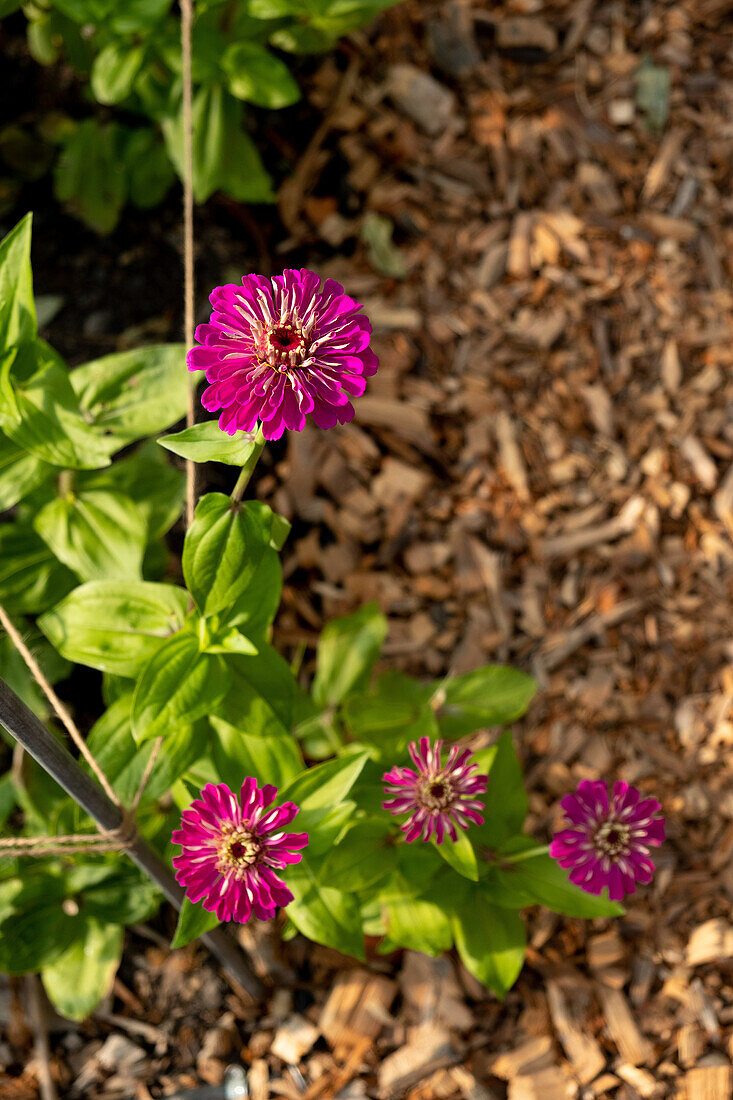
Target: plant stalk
x=528, y=853
x=27, y=729
x=248, y=468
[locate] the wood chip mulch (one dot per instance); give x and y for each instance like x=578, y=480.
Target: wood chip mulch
x=541, y=474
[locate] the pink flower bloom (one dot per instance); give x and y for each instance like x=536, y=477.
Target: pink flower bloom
x=436, y=798
x=608, y=844
x=231, y=849
x=280, y=349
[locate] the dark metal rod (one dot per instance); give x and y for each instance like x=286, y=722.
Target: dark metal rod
x=28, y=730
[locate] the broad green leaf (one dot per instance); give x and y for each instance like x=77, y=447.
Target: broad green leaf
x=87, y=177
x=415, y=923
x=254, y=611
x=347, y=650
x=260, y=700
x=193, y=921
x=7, y=7
x=490, y=941
x=20, y=473
x=98, y=535
x=34, y=929
x=491, y=696
x=273, y=759
x=225, y=157
x=149, y=169
x=544, y=882
x=124, y=762
x=40, y=413
x=18, y=676
x=114, y=628
x=114, y=70
x=31, y=578
x=396, y=712
x=17, y=311
x=323, y=914
x=79, y=978
x=179, y=685
x=362, y=857
x=119, y=893
x=257, y=75
x=460, y=855
x=505, y=801
x=223, y=548
x=138, y=16
x=149, y=480
x=325, y=785
x=206, y=442
x=134, y=393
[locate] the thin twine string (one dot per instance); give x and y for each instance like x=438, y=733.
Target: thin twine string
x=188, y=284
x=108, y=839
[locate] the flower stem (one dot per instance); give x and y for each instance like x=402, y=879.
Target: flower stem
x=528, y=853
x=248, y=468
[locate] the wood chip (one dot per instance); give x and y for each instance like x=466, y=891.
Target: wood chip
x=584, y=1053
x=357, y=1007
x=632, y=1045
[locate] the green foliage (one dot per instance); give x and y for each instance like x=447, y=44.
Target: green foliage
x=206, y=442
x=193, y=921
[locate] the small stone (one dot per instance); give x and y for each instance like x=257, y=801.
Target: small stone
x=525, y=33
x=621, y=112
x=294, y=1039
x=421, y=97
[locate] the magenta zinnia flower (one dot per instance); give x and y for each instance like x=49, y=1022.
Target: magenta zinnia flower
x=231, y=849
x=436, y=798
x=608, y=844
x=277, y=350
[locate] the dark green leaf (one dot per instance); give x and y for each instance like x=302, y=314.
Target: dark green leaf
x=544, y=882
x=362, y=857
x=193, y=921
x=31, y=577
x=347, y=650
x=505, y=802
x=492, y=696
x=149, y=168
x=116, y=630
x=87, y=176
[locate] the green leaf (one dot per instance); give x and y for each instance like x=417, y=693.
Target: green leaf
x=115, y=629
x=396, y=712
x=40, y=413
x=257, y=75
x=323, y=914
x=114, y=71
x=79, y=978
x=134, y=393
x=347, y=650
x=123, y=761
x=653, y=84
x=260, y=700
x=384, y=256
x=544, y=882
x=491, y=696
x=97, y=534
x=414, y=922
x=17, y=311
x=20, y=473
x=149, y=169
x=254, y=611
x=223, y=548
x=325, y=785
x=179, y=685
x=225, y=157
x=193, y=921
x=491, y=942
x=17, y=675
x=115, y=892
x=505, y=801
x=7, y=7
x=206, y=442
x=362, y=857
x=34, y=929
x=157, y=489
x=31, y=577
x=460, y=855
x=87, y=177
x=273, y=759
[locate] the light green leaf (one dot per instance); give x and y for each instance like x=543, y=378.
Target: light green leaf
x=505, y=801
x=491, y=696
x=362, y=857
x=323, y=914
x=134, y=393
x=347, y=650
x=79, y=978
x=179, y=685
x=20, y=473
x=223, y=548
x=113, y=628
x=416, y=923
x=260, y=700
x=148, y=480
x=206, y=442
x=460, y=855
x=325, y=785
x=256, y=74
x=273, y=759
x=98, y=535
x=40, y=413
x=544, y=882
x=114, y=71
x=193, y=921
x=490, y=941
x=17, y=311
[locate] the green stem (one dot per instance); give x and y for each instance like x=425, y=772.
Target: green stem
x=248, y=468
x=528, y=853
